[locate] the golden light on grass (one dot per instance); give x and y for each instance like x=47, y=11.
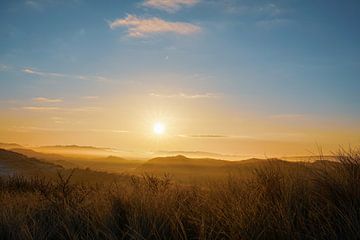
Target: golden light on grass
x=159, y=128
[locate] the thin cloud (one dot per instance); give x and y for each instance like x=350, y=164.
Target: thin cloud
x=83, y=109
x=214, y=136
x=251, y=8
x=35, y=108
x=184, y=95
x=58, y=120
x=36, y=129
x=143, y=27
x=58, y=109
x=47, y=100
x=273, y=23
x=203, y=136
x=41, y=5
x=3, y=67
x=169, y=5
x=43, y=129
x=208, y=136
x=90, y=97
x=40, y=73
x=32, y=71
x=108, y=130
x=33, y=4
x=269, y=9
x=288, y=116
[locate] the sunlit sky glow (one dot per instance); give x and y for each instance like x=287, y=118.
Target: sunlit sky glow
x=234, y=76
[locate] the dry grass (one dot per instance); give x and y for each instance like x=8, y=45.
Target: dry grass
x=274, y=204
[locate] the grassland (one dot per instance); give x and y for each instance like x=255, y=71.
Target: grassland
x=276, y=202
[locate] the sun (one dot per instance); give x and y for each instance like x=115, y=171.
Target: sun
x=159, y=128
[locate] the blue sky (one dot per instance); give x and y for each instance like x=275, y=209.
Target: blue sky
x=263, y=58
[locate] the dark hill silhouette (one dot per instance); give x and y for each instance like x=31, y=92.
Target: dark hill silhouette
x=75, y=150
x=179, y=166
x=109, y=163
x=181, y=160
x=199, y=169
x=74, y=147
x=33, y=154
x=12, y=162
x=9, y=145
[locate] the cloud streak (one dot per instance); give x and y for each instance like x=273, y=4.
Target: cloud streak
x=43, y=129
x=3, y=67
x=204, y=136
x=40, y=73
x=47, y=100
x=169, y=5
x=143, y=27
x=36, y=108
x=288, y=116
x=273, y=23
x=186, y=96
x=58, y=109
x=90, y=97
x=109, y=130
x=32, y=71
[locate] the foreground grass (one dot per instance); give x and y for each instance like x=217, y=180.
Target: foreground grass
x=274, y=204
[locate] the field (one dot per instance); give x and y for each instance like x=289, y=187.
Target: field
x=309, y=201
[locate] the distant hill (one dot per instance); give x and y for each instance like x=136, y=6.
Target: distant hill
x=202, y=169
x=310, y=158
x=181, y=167
x=191, y=169
x=73, y=147
x=9, y=145
x=33, y=154
x=200, y=154
x=108, y=163
x=111, y=164
x=182, y=161
x=76, y=151
x=12, y=162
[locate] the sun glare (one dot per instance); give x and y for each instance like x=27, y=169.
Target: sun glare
x=159, y=128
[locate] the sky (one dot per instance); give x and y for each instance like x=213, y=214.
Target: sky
x=240, y=77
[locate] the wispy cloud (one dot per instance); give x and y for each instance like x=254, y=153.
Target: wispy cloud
x=57, y=129
x=42, y=4
x=61, y=109
x=82, y=109
x=40, y=73
x=143, y=27
x=184, y=95
x=3, y=67
x=269, y=9
x=36, y=129
x=273, y=23
x=169, y=5
x=33, y=71
x=90, y=97
x=33, y=4
x=203, y=136
x=58, y=120
x=288, y=116
x=214, y=136
x=109, y=130
x=47, y=100
x=248, y=8
x=37, y=108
